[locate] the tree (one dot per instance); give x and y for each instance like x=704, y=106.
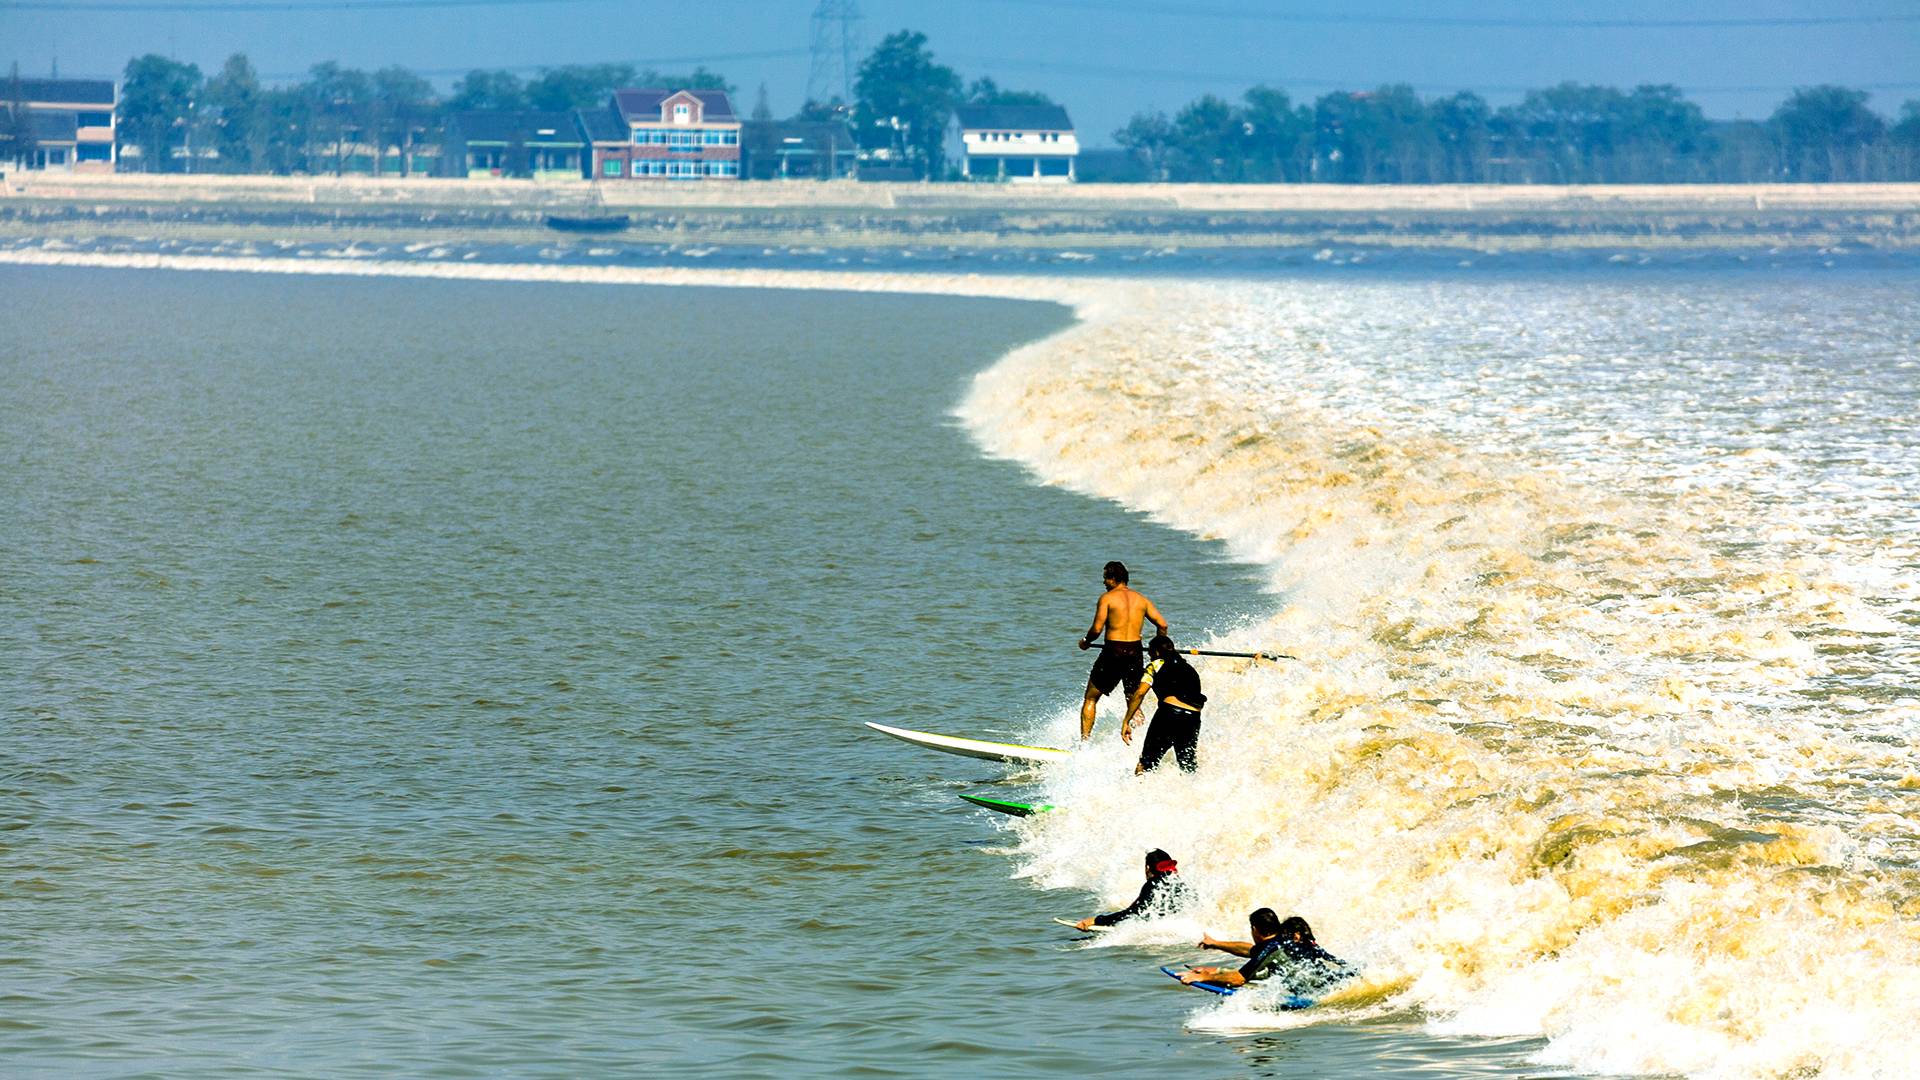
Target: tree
x=1824, y=132
x=340, y=103
x=17, y=141
x=1354, y=134
x=699, y=79
x=578, y=86
x=1278, y=136
x=1208, y=142
x=1150, y=138
x=232, y=105
x=1661, y=136
x=403, y=105
x=156, y=106
x=1905, y=137
x=1462, y=125
x=905, y=101
x=762, y=110
x=487, y=90
x=985, y=91
x=1568, y=131
x=286, y=130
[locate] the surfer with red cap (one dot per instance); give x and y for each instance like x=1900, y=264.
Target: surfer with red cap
x=1162, y=894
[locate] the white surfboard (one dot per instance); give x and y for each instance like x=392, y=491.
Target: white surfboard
x=973, y=748
x=1071, y=925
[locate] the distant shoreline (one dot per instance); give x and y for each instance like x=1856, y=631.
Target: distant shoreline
x=842, y=215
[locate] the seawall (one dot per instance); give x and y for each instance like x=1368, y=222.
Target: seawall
x=1482, y=218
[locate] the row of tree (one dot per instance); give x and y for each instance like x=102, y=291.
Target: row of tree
x=179, y=119
x=1567, y=134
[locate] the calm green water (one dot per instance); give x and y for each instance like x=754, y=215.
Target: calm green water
x=431, y=678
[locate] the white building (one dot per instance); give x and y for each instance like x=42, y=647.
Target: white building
x=1020, y=143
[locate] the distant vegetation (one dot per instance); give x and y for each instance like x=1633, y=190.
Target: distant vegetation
x=1571, y=133
x=1567, y=134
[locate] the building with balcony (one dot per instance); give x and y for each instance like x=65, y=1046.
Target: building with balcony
x=1016, y=143
x=70, y=123
x=668, y=135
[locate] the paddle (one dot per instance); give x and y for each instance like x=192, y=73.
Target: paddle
x=1234, y=655
x=1239, y=655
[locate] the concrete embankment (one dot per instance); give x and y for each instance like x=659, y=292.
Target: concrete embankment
x=849, y=215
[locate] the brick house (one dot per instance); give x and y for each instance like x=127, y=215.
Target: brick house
x=668, y=135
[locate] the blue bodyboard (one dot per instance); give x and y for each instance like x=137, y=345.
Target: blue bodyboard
x=1290, y=1003
x=1211, y=988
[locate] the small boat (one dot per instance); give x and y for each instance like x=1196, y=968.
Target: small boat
x=588, y=223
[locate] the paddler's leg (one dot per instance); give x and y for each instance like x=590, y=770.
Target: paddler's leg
x=1185, y=740
x=1088, y=705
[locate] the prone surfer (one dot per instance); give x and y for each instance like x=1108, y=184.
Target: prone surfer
x=1176, y=723
x=1279, y=948
x=1119, y=616
x=1163, y=893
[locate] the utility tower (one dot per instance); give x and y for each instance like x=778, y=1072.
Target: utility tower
x=836, y=51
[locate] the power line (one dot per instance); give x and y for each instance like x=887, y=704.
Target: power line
x=1216, y=77
x=1110, y=6
x=270, y=8
x=645, y=62
x=1461, y=22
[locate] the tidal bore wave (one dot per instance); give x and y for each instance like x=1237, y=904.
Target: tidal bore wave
x=1601, y=726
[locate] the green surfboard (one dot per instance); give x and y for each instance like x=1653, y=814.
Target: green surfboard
x=1003, y=806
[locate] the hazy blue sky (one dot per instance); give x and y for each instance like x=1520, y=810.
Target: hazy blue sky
x=1103, y=59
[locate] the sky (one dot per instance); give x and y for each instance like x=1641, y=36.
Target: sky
x=1105, y=60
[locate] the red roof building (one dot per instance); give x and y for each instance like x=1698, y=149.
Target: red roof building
x=665, y=134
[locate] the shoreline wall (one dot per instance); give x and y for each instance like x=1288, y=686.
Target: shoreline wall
x=846, y=214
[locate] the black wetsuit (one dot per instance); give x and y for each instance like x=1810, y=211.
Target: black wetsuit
x=1162, y=894
x=1173, y=728
x=1302, y=966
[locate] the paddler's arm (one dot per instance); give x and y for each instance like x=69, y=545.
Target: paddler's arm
x=1217, y=976
x=1099, y=624
x=1237, y=948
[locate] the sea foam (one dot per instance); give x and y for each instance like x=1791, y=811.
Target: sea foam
x=1563, y=754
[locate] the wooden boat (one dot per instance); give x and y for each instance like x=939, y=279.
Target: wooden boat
x=588, y=223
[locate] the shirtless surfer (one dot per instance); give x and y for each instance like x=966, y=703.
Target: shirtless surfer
x=1119, y=616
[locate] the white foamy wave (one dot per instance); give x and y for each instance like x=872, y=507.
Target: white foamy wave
x=1599, y=732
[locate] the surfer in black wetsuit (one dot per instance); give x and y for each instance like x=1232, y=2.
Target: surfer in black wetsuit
x=1162, y=894
x=1176, y=723
x=1286, y=949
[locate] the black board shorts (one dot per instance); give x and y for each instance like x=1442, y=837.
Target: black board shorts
x=1175, y=729
x=1118, y=665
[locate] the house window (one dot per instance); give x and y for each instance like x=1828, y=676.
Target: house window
x=682, y=114
x=94, y=119
x=94, y=152
x=611, y=167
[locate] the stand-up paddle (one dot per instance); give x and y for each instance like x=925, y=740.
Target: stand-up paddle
x=1233, y=655
x=1239, y=655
